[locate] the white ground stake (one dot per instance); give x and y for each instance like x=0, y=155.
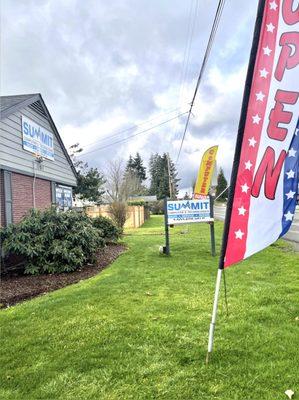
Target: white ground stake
x=214, y=314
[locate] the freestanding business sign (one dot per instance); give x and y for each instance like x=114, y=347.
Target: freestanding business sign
x=188, y=211
x=37, y=139
x=178, y=212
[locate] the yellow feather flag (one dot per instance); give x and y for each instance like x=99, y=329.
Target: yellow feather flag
x=205, y=172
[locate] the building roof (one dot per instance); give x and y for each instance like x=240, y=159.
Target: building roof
x=7, y=102
x=11, y=104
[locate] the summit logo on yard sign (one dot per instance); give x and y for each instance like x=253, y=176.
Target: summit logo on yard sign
x=188, y=211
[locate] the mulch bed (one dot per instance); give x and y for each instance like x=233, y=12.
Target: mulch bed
x=16, y=288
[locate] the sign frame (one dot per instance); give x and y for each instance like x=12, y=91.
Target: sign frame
x=170, y=222
x=189, y=211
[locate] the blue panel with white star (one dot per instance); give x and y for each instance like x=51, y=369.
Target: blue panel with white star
x=291, y=181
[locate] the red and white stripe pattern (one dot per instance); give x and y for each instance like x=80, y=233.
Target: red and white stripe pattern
x=256, y=219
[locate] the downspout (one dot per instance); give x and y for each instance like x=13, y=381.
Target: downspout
x=33, y=183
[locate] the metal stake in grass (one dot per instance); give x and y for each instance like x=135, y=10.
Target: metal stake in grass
x=214, y=314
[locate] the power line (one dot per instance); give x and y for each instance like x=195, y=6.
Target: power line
x=187, y=50
x=190, y=34
x=202, y=68
x=185, y=66
x=131, y=136
x=167, y=112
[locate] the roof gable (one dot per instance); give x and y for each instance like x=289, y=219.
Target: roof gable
x=11, y=104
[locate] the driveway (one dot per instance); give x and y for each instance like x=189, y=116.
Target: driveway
x=292, y=235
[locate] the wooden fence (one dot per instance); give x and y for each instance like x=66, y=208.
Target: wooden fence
x=135, y=214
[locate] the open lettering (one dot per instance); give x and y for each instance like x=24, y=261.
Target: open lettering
x=278, y=115
x=271, y=164
x=271, y=171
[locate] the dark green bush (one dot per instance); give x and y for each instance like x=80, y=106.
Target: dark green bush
x=109, y=230
x=157, y=207
x=52, y=241
x=136, y=203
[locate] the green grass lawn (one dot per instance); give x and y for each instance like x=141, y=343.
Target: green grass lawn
x=139, y=329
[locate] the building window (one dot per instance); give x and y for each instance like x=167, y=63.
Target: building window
x=63, y=197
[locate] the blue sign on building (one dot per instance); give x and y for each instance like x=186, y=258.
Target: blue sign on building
x=37, y=139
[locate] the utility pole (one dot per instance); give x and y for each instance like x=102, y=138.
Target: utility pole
x=169, y=177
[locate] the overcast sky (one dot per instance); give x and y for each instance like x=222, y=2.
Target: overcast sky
x=105, y=66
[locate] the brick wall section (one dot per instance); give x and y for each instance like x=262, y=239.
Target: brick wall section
x=22, y=199
x=2, y=214
x=43, y=194
x=22, y=195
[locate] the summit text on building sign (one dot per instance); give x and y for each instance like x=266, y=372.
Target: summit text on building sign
x=37, y=139
x=188, y=211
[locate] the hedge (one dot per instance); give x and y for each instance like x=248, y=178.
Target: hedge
x=110, y=232
x=52, y=241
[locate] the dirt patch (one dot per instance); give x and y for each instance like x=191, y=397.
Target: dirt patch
x=14, y=289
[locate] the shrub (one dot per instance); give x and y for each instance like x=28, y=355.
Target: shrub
x=118, y=211
x=136, y=203
x=52, y=241
x=157, y=207
x=147, y=211
x=109, y=231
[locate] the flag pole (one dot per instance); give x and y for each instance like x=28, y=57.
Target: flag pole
x=214, y=314
x=231, y=193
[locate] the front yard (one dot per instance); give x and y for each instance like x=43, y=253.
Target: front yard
x=139, y=329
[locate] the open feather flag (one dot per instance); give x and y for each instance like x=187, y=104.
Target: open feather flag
x=264, y=181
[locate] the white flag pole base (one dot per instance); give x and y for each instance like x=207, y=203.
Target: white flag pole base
x=214, y=314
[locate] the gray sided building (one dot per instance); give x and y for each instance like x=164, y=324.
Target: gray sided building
x=35, y=168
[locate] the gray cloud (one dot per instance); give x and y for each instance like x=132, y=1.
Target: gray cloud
x=96, y=60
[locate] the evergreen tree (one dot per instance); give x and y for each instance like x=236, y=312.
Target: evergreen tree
x=174, y=178
x=130, y=164
x=90, y=181
x=135, y=167
x=90, y=185
x=154, y=164
x=221, y=185
x=158, y=168
x=132, y=184
x=164, y=185
x=139, y=168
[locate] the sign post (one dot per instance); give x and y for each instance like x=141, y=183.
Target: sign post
x=166, y=249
